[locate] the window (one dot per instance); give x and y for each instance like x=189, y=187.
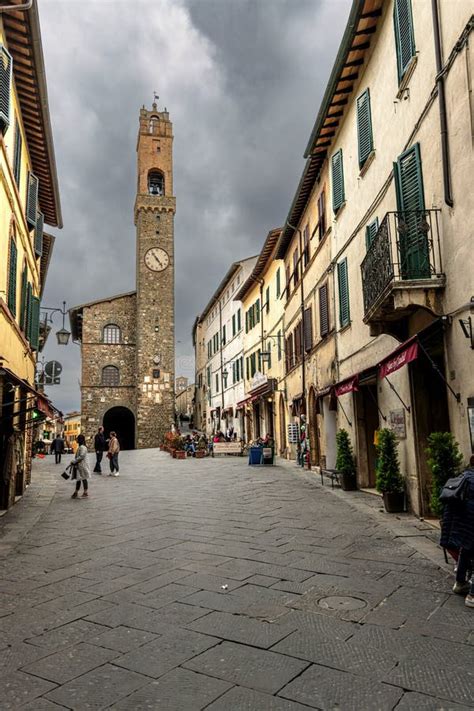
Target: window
x=322, y=215
x=308, y=329
x=17, y=154
x=257, y=311
x=323, y=310
x=404, y=35
x=234, y=325
x=288, y=282
x=156, y=183
x=364, y=127
x=267, y=300
x=32, y=201
x=39, y=234
x=112, y=334
x=12, y=268
x=306, y=246
x=239, y=320
x=278, y=284
x=110, y=376
x=279, y=345
x=223, y=339
x=217, y=382
x=295, y=267
x=5, y=88
x=34, y=323
x=209, y=349
x=343, y=285
x=337, y=171
x=370, y=232
x=208, y=377
x=23, y=305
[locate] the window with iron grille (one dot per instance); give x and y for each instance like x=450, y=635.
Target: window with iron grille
x=110, y=376
x=404, y=35
x=112, y=334
x=337, y=171
x=365, y=139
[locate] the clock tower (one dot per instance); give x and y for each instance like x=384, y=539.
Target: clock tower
x=155, y=207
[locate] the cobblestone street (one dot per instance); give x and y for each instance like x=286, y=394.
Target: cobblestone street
x=184, y=585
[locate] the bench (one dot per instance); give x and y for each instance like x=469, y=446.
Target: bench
x=227, y=448
x=332, y=474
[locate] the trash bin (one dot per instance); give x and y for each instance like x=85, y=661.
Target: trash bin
x=268, y=456
x=255, y=455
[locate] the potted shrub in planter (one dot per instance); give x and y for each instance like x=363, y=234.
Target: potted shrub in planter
x=345, y=463
x=444, y=461
x=201, y=449
x=180, y=449
x=388, y=479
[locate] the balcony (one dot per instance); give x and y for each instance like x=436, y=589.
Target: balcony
x=402, y=268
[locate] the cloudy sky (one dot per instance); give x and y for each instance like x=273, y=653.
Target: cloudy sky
x=242, y=80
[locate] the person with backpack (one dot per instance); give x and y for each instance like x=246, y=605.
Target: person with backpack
x=457, y=529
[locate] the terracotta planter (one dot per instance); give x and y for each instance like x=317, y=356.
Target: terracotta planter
x=200, y=454
x=348, y=481
x=180, y=454
x=394, y=501
x=173, y=453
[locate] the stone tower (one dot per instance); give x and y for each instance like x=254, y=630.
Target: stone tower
x=155, y=207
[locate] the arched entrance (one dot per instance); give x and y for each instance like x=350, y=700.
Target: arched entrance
x=313, y=429
x=122, y=421
x=282, y=418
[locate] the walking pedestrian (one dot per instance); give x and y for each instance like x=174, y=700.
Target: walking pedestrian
x=57, y=446
x=81, y=464
x=113, y=454
x=100, y=446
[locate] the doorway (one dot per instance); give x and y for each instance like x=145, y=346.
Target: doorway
x=367, y=419
x=314, y=448
x=330, y=429
x=122, y=421
x=282, y=419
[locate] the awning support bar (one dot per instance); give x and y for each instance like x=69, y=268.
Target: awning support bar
x=377, y=405
x=407, y=407
x=345, y=415
x=438, y=371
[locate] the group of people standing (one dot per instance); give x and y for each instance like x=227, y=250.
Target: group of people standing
x=111, y=446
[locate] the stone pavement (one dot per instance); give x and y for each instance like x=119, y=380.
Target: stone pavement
x=184, y=585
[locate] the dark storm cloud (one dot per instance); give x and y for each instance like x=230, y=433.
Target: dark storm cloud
x=242, y=80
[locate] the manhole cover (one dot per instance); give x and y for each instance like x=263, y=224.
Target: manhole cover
x=340, y=602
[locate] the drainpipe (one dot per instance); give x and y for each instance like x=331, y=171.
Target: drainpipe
x=448, y=195
x=303, y=353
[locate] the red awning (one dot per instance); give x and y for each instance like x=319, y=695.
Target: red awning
x=405, y=353
x=45, y=407
x=240, y=405
x=347, y=386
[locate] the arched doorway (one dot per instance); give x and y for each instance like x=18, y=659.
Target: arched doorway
x=282, y=419
x=313, y=429
x=122, y=421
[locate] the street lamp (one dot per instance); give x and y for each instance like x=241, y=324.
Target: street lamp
x=63, y=334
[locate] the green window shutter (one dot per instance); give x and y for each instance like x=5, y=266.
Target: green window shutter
x=39, y=234
x=323, y=310
x=223, y=338
x=233, y=325
x=12, y=268
x=279, y=345
x=343, y=284
x=32, y=200
x=337, y=171
x=278, y=284
x=17, y=154
x=410, y=192
x=247, y=368
x=404, y=35
x=364, y=127
x=267, y=300
x=246, y=322
x=29, y=297
x=35, y=312
x=257, y=311
x=370, y=232
x=413, y=244
x=308, y=329
x=239, y=320
x=24, y=280
x=5, y=88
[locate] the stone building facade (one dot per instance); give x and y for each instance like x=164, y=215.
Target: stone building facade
x=127, y=341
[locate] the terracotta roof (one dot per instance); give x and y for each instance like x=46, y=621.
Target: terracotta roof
x=215, y=297
x=263, y=260
x=48, y=244
x=23, y=36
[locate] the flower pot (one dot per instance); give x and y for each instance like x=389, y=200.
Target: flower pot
x=200, y=454
x=180, y=454
x=394, y=501
x=348, y=481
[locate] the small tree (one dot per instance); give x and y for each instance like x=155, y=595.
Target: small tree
x=387, y=476
x=345, y=462
x=444, y=461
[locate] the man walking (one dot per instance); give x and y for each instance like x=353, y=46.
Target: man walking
x=57, y=446
x=100, y=445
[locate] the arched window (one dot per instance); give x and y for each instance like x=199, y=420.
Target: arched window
x=110, y=376
x=112, y=333
x=156, y=182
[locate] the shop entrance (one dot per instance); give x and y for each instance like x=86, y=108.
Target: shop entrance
x=282, y=419
x=314, y=448
x=367, y=423
x=122, y=421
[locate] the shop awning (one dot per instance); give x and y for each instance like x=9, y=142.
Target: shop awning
x=347, y=386
x=228, y=411
x=263, y=390
x=404, y=354
x=42, y=403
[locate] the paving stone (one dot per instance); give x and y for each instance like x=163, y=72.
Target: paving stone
x=324, y=688
x=16, y=655
x=98, y=689
x=72, y=633
x=447, y=683
x=179, y=690
x=17, y=689
x=213, y=583
x=240, y=629
x=70, y=662
x=122, y=639
x=165, y=653
x=221, y=601
x=241, y=699
x=169, y=593
x=126, y=614
x=420, y=702
x=42, y=705
x=255, y=668
x=265, y=581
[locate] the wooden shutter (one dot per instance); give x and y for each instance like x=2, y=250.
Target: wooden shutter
x=306, y=246
x=323, y=310
x=370, y=232
x=278, y=285
x=364, y=127
x=246, y=322
x=288, y=280
x=404, y=35
x=257, y=311
x=32, y=200
x=35, y=313
x=5, y=88
x=12, y=267
x=295, y=266
x=39, y=234
x=17, y=154
x=308, y=329
x=413, y=245
x=29, y=297
x=267, y=300
x=343, y=284
x=322, y=214
x=233, y=325
x=24, y=280
x=337, y=170
x=239, y=320
x=279, y=345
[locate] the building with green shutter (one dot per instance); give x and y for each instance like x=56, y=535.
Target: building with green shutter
x=29, y=200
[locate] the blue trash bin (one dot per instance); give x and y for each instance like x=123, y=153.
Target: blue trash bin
x=255, y=456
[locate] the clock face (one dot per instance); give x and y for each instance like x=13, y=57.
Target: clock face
x=157, y=259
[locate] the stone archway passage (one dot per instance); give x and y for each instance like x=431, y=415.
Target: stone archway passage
x=122, y=421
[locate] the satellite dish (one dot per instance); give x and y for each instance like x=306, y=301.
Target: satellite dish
x=53, y=369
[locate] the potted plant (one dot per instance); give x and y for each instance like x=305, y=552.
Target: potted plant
x=345, y=463
x=444, y=461
x=179, y=448
x=201, y=449
x=388, y=479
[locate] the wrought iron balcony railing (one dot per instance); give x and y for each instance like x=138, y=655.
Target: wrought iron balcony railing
x=406, y=249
